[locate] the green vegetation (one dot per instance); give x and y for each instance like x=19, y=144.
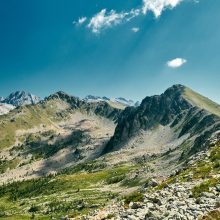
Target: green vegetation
x=133, y=197
x=27, y=117
x=115, y=179
x=74, y=191
x=132, y=182
x=110, y=216
x=8, y=164
x=204, y=187
x=90, y=166
x=214, y=215
x=203, y=169
x=40, y=147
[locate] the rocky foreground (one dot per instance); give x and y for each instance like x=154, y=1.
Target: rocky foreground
x=190, y=193
x=173, y=202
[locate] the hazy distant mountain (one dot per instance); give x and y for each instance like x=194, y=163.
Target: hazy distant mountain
x=91, y=98
x=122, y=101
x=20, y=98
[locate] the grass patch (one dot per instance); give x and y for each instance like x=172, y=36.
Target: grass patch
x=204, y=187
x=131, y=182
x=133, y=197
x=201, y=101
x=213, y=215
x=58, y=195
x=8, y=164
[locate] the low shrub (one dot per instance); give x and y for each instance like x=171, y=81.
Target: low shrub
x=134, y=197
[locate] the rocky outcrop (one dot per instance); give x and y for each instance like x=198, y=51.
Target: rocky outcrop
x=102, y=108
x=173, y=202
x=171, y=109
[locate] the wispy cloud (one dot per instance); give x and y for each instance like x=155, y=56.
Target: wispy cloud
x=106, y=19
x=82, y=20
x=176, y=63
x=135, y=29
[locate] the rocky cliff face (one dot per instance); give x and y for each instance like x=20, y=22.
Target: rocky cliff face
x=171, y=109
x=102, y=109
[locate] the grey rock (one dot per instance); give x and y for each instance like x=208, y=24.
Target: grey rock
x=208, y=195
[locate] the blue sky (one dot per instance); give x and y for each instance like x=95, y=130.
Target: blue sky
x=44, y=48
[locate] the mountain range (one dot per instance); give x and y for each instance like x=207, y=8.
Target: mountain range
x=80, y=150
x=21, y=98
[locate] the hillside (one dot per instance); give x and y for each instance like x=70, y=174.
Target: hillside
x=39, y=139
x=89, y=160
x=178, y=118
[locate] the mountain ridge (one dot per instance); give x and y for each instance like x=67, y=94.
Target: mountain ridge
x=171, y=109
x=67, y=157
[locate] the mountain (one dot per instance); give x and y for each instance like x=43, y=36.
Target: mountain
x=20, y=98
x=1, y=98
x=91, y=98
x=178, y=118
x=120, y=102
x=67, y=158
x=124, y=101
x=57, y=132
x=5, y=108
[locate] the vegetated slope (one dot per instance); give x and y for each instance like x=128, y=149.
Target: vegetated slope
x=36, y=140
x=191, y=192
x=63, y=136
x=179, y=118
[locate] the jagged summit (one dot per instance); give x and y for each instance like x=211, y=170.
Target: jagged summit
x=20, y=98
x=179, y=110
x=61, y=95
x=177, y=88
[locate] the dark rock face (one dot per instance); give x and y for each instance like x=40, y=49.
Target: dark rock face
x=72, y=100
x=169, y=108
x=102, y=109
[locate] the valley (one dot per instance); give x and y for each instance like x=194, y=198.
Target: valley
x=68, y=158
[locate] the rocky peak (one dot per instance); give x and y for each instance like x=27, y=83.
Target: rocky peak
x=20, y=98
x=168, y=109
x=175, y=89
x=60, y=95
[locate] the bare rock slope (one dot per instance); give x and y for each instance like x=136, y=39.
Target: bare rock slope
x=177, y=119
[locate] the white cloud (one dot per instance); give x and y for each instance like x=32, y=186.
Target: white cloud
x=82, y=20
x=104, y=19
x=157, y=6
x=135, y=29
x=176, y=63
